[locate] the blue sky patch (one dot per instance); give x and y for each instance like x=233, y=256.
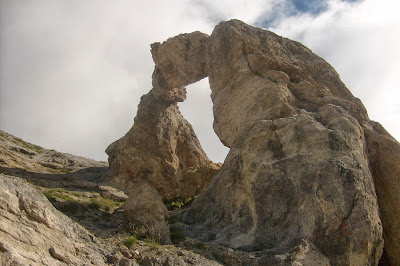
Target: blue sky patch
x=297, y=7
x=309, y=6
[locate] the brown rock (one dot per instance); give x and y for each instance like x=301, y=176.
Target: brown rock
x=384, y=158
x=112, y=193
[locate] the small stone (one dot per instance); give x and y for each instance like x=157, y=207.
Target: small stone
x=125, y=252
x=113, y=193
x=60, y=255
x=136, y=254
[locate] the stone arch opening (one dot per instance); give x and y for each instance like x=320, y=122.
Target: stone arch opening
x=197, y=109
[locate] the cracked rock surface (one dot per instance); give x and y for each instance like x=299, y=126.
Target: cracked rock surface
x=306, y=169
x=33, y=232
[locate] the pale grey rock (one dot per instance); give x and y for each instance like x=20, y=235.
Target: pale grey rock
x=33, y=232
x=298, y=185
x=179, y=61
x=298, y=166
x=112, y=193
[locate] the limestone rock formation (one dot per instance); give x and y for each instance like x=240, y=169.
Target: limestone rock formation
x=298, y=165
x=306, y=168
x=161, y=155
x=33, y=232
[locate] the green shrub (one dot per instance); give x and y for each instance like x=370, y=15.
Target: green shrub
x=130, y=241
x=57, y=194
x=153, y=244
x=104, y=204
x=178, y=203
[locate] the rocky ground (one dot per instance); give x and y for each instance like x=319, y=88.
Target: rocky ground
x=75, y=186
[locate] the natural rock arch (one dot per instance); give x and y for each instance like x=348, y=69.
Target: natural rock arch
x=160, y=158
x=298, y=181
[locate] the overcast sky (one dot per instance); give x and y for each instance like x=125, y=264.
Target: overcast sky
x=72, y=71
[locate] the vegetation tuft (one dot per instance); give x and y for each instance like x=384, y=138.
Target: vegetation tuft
x=58, y=194
x=73, y=202
x=104, y=204
x=130, y=241
x=178, y=203
x=27, y=145
x=153, y=244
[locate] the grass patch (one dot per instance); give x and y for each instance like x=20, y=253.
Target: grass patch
x=153, y=243
x=76, y=194
x=27, y=145
x=130, y=241
x=104, y=204
x=57, y=195
x=178, y=203
x=74, y=202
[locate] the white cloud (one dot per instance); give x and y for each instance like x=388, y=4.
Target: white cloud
x=72, y=72
x=360, y=40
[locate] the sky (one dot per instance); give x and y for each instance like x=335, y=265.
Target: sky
x=72, y=72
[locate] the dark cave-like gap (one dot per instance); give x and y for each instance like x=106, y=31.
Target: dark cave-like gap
x=197, y=109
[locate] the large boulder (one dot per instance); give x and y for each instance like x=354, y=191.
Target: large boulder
x=33, y=232
x=298, y=167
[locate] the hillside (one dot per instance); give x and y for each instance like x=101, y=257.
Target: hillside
x=78, y=188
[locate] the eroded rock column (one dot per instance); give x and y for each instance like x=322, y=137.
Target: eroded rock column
x=160, y=158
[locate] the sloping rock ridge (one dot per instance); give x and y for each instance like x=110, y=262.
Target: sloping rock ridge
x=33, y=232
x=306, y=168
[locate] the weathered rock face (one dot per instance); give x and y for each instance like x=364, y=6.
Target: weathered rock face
x=33, y=232
x=180, y=61
x=384, y=158
x=161, y=155
x=16, y=153
x=298, y=182
x=298, y=167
